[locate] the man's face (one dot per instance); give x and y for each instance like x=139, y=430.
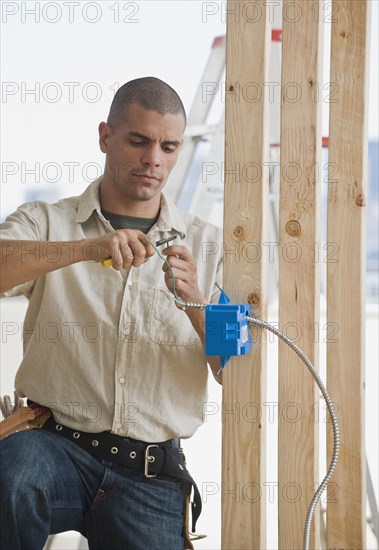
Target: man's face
x=141, y=151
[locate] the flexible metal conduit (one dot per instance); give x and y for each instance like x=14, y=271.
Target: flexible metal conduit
x=336, y=434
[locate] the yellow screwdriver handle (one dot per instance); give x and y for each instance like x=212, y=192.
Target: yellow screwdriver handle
x=107, y=263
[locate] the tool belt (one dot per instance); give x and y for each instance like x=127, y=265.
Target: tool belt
x=166, y=458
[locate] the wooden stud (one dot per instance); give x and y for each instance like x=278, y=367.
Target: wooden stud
x=246, y=203
x=346, y=517
x=301, y=141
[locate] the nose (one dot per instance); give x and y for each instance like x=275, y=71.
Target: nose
x=152, y=155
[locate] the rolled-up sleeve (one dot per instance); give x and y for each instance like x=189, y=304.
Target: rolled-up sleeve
x=27, y=223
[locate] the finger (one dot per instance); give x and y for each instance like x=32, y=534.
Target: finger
x=134, y=248
x=123, y=253
x=177, y=274
x=175, y=263
x=179, y=251
x=137, y=251
x=150, y=251
x=117, y=259
x=146, y=250
x=181, y=280
x=140, y=249
x=171, y=283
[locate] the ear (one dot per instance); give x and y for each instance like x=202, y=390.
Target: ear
x=105, y=132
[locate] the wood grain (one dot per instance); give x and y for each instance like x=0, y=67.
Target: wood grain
x=299, y=222
x=346, y=517
x=246, y=205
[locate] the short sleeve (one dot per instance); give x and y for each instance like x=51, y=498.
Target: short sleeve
x=26, y=223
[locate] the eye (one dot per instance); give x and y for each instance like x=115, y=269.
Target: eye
x=169, y=148
x=136, y=143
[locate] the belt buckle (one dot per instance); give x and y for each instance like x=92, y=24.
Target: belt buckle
x=149, y=459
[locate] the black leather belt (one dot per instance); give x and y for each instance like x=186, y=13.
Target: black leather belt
x=165, y=458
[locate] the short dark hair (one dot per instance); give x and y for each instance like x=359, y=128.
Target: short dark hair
x=149, y=92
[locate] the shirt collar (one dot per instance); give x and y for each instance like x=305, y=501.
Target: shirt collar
x=170, y=217
x=89, y=201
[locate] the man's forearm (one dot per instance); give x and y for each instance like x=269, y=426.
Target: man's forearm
x=23, y=261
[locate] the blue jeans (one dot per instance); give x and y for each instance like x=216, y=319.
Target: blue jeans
x=50, y=485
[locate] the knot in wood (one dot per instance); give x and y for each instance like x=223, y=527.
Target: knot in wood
x=360, y=200
x=293, y=228
x=253, y=298
x=238, y=232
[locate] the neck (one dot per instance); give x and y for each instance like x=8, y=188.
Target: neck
x=114, y=200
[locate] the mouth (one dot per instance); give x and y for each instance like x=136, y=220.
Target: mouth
x=148, y=177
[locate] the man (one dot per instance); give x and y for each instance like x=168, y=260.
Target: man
x=119, y=363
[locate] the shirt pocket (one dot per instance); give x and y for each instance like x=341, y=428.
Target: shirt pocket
x=169, y=325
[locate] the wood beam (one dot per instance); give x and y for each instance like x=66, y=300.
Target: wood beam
x=246, y=204
x=301, y=141
x=347, y=191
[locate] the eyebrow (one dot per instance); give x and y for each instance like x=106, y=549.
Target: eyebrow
x=142, y=136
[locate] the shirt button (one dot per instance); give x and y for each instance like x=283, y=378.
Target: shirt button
x=121, y=380
x=129, y=282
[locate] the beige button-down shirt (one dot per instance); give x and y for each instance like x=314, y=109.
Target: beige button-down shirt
x=108, y=350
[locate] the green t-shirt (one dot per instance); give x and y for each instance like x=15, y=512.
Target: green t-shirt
x=119, y=221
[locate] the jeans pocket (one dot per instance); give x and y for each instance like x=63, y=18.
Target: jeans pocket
x=101, y=493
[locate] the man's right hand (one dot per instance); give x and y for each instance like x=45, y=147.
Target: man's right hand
x=125, y=247
x=23, y=261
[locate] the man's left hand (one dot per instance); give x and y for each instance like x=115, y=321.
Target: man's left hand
x=185, y=273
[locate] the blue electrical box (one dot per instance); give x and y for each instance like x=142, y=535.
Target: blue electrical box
x=227, y=331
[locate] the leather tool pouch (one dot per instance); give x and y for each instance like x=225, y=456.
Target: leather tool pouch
x=24, y=418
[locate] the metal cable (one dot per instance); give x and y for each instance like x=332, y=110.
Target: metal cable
x=178, y=299
x=329, y=403
x=319, y=382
